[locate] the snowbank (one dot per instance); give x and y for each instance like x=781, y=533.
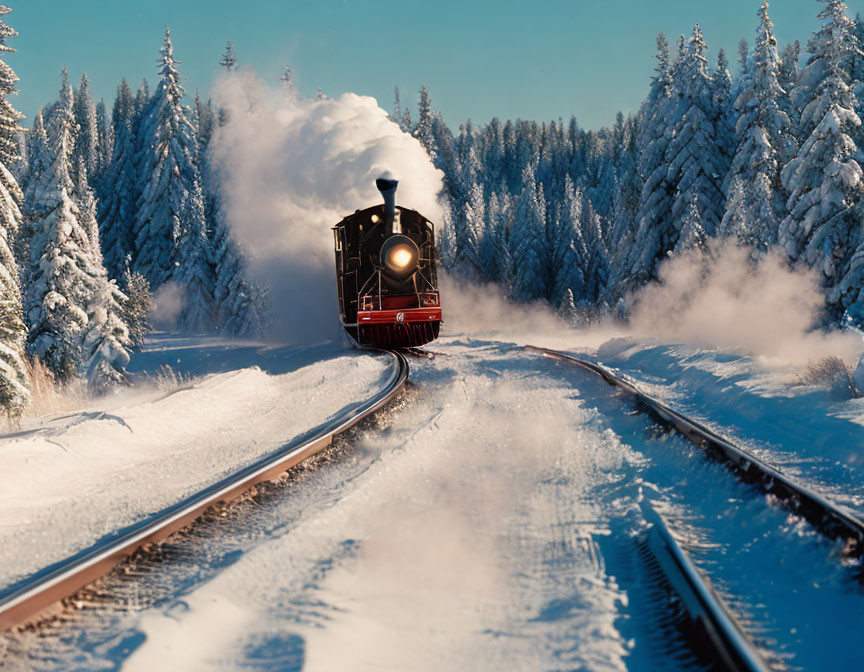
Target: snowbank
x=72, y=478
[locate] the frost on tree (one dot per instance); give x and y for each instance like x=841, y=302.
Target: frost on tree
x=14, y=384
x=764, y=144
x=470, y=229
x=657, y=192
x=696, y=160
x=61, y=283
x=194, y=272
x=528, y=242
x=229, y=60
x=167, y=172
x=118, y=192
x=106, y=343
x=824, y=180
x=569, y=254
x=87, y=136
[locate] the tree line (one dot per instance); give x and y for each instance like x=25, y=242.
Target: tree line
x=769, y=158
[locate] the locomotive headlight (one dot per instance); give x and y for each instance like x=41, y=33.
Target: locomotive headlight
x=399, y=257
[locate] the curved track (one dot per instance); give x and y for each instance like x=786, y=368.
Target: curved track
x=832, y=520
x=705, y=609
x=25, y=600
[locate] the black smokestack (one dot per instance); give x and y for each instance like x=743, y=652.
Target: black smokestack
x=388, y=191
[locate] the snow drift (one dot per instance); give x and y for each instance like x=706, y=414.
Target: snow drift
x=292, y=168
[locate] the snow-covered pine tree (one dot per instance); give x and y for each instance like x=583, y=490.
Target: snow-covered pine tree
x=697, y=158
x=692, y=232
x=567, y=310
x=724, y=104
x=528, y=242
x=118, y=188
x=106, y=140
x=229, y=60
x=470, y=230
x=569, y=254
x=597, y=268
x=242, y=305
x=87, y=137
x=764, y=145
x=167, y=173
x=194, y=272
x=625, y=208
x=14, y=384
x=824, y=180
x=137, y=307
x=657, y=192
x=61, y=284
x=423, y=130
x=491, y=243
x=85, y=200
x=105, y=344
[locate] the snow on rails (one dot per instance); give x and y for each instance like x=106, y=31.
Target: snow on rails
x=832, y=520
x=26, y=600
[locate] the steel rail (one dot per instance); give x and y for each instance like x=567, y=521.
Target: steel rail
x=832, y=520
x=730, y=645
x=23, y=601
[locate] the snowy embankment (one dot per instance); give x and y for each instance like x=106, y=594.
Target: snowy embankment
x=69, y=479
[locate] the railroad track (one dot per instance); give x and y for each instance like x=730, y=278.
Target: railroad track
x=716, y=627
x=25, y=600
x=832, y=520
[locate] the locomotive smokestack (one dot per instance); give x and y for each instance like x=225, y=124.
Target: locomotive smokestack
x=387, y=187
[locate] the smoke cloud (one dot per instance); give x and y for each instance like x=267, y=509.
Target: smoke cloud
x=168, y=302
x=721, y=298
x=291, y=169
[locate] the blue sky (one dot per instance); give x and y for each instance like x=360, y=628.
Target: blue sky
x=535, y=60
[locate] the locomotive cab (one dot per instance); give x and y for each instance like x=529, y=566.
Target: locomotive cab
x=386, y=276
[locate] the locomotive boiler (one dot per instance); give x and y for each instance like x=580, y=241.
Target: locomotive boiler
x=386, y=275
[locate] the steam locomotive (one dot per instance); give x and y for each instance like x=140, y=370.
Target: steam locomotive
x=386, y=275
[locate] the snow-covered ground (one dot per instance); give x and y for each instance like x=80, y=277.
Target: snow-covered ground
x=493, y=524
x=69, y=479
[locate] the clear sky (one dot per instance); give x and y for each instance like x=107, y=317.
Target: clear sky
x=535, y=60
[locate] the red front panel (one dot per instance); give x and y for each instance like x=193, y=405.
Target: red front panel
x=407, y=316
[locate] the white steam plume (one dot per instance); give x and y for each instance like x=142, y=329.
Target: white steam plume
x=720, y=298
x=292, y=168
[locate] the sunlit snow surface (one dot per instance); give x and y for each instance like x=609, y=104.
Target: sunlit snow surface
x=492, y=523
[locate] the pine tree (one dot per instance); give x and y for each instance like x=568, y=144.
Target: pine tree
x=692, y=232
x=105, y=344
x=167, y=173
x=118, y=189
x=423, y=130
x=567, y=310
x=493, y=240
x=764, y=144
x=242, y=305
x=194, y=272
x=657, y=191
x=137, y=307
x=569, y=254
x=470, y=231
x=106, y=140
x=87, y=137
x=824, y=180
x=61, y=282
x=229, y=61
x=528, y=242
x=696, y=156
x=14, y=384
x=596, y=270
